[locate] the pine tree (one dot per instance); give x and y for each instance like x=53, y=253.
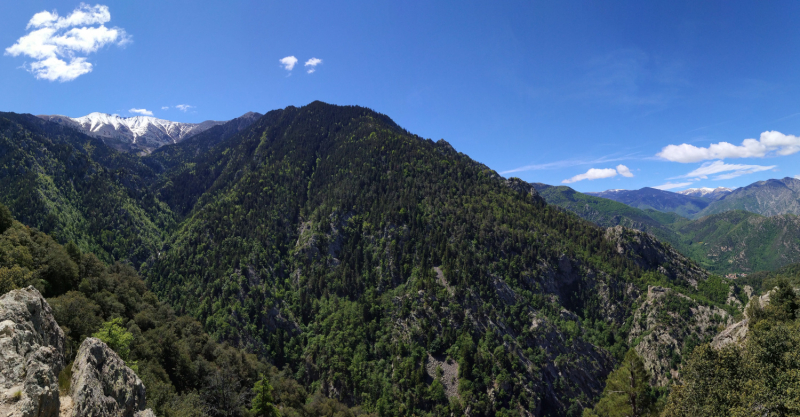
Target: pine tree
x=263, y=403
x=5, y=218
x=627, y=391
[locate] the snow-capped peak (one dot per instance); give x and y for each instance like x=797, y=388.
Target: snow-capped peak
x=146, y=132
x=707, y=192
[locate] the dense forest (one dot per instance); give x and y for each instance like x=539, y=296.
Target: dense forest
x=361, y=267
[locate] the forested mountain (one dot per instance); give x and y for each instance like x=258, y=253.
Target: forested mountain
x=375, y=267
x=727, y=242
x=767, y=198
x=660, y=200
x=78, y=189
x=185, y=371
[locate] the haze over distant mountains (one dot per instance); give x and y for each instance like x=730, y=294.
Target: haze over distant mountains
x=138, y=133
x=767, y=198
x=660, y=200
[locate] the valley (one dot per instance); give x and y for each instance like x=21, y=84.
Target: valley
x=344, y=257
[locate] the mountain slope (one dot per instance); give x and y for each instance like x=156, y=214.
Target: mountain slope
x=739, y=241
x=360, y=258
x=132, y=133
x=651, y=198
x=74, y=187
x=728, y=242
x=609, y=213
x=331, y=223
x=767, y=198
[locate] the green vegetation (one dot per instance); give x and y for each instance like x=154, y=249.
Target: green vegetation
x=759, y=378
x=341, y=252
x=627, y=392
x=186, y=372
x=119, y=339
x=263, y=402
x=728, y=242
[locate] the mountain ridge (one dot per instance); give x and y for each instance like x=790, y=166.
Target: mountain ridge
x=136, y=133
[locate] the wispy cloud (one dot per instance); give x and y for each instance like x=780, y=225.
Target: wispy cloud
x=59, y=45
x=770, y=143
x=143, y=112
x=165, y=108
x=670, y=185
x=184, y=107
x=288, y=63
x=718, y=167
x=566, y=163
x=630, y=77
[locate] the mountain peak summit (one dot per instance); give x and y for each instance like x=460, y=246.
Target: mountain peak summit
x=136, y=133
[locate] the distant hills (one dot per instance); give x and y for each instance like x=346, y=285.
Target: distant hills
x=651, y=198
x=768, y=198
x=733, y=241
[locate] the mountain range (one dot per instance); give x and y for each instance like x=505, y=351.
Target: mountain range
x=385, y=272
x=660, y=200
x=138, y=133
x=727, y=242
x=767, y=198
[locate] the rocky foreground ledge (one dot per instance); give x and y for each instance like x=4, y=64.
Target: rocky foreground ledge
x=32, y=356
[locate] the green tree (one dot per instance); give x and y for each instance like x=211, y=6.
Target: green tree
x=118, y=339
x=628, y=392
x=5, y=218
x=262, y=404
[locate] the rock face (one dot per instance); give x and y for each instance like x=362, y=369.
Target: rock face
x=651, y=254
x=31, y=355
x=663, y=325
x=736, y=333
x=103, y=386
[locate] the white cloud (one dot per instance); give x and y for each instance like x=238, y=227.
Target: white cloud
x=592, y=174
x=669, y=185
x=797, y=177
x=143, y=112
x=770, y=143
x=718, y=167
x=55, y=42
x=165, y=108
x=184, y=107
x=288, y=62
x=624, y=171
x=311, y=71
x=313, y=62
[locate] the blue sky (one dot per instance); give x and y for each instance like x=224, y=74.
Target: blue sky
x=593, y=93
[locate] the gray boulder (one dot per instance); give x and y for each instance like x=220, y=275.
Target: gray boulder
x=31, y=355
x=103, y=386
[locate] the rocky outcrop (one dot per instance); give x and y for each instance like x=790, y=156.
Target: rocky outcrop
x=31, y=355
x=663, y=325
x=650, y=254
x=102, y=385
x=736, y=333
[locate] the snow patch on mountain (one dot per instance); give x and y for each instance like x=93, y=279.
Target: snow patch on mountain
x=142, y=132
